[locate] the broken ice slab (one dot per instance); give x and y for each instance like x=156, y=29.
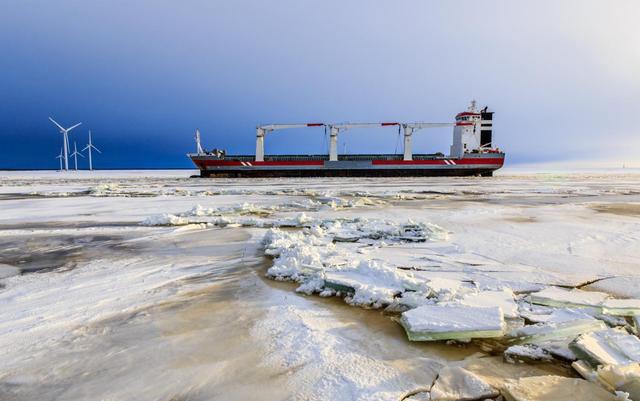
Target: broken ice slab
x=554, y=336
x=542, y=332
x=621, y=307
x=559, y=349
x=563, y=298
x=527, y=353
x=437, y=322
x=624, y=378
x=543, y=314
x=555, y=388
x=456, y=383
x=607, y=347
x=589, y=373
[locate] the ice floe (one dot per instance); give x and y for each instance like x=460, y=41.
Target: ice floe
x=433, y=323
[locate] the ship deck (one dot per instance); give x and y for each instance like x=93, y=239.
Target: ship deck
x=323, y=157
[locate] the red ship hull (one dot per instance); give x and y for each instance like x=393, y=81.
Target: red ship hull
x=473, y=164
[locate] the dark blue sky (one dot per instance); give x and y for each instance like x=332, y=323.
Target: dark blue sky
x=562, y=76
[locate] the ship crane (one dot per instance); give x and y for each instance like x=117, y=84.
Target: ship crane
x=262, y=130
x=334, y=130
x=408, y=133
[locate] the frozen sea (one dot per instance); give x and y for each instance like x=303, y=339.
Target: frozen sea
x=150, y=285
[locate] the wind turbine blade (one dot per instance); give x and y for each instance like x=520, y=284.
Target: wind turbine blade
x=85, y=148
x=96, y=149
x=69, y=129
x=54, y=121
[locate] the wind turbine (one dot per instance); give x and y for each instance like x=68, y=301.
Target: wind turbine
x=65, y=139
x=60, y=157
x=89, y=147
x=75, y=154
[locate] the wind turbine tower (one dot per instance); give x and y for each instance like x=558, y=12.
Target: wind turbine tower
x=75, y=155
x=60, y=157
x=89, y=147
x=65, y=141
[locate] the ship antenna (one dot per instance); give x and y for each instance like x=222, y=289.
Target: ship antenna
x=199, y=149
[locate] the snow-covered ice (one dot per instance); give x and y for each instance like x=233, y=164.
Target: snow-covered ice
x=118, y=283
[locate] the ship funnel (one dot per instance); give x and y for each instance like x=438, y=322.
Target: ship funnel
x=486, y=128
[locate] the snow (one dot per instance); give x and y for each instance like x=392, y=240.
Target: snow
x=327, y=366
x=504, y=299
x=165, y=219
x=40, y=309
x=456, y=383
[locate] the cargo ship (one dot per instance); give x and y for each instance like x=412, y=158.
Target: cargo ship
x=472, y=153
